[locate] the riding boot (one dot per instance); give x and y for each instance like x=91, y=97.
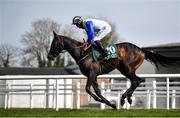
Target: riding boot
x=101, y=49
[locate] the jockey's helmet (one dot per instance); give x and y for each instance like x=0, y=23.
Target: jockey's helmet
x=77, y=20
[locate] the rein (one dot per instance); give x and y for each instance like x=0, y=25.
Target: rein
x=85, y=46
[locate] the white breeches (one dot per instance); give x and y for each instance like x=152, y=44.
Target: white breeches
x=103, y=33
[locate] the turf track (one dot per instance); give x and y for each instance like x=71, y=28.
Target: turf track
x=89, y=113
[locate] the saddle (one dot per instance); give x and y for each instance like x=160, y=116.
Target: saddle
x=111, y=49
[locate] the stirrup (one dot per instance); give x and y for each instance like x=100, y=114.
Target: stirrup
x=104, y=56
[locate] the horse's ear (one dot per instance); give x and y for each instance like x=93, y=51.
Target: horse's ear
x=54, y=33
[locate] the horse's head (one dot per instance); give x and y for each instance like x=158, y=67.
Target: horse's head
x=57, y=46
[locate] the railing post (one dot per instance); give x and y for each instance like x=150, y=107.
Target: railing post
x=31, y=95
x=47, y=94
x=45, y=98
x=78, y=95
x=102, y=91
x=8, y=95
x=173, y=99
x=65, y=96
x=53, y=102
x=72, y=99
x=167, y=91
x=118, y=99
x=154, y=94
x=5, y=101
x=148, y=99
x=57, y=92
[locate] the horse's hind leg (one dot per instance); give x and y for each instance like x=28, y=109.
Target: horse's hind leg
x=98, y=93
x=135, y=81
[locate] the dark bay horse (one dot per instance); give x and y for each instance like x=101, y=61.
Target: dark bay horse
x=130, y=58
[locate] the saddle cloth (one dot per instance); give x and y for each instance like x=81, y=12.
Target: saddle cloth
x=111, y=49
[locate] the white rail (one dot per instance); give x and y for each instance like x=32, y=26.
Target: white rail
x=24, y=77
x=151, y=93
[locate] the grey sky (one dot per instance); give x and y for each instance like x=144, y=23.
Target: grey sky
x=142, y=22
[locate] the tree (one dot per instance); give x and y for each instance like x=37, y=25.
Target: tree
x=8, y=54
x=37, y=42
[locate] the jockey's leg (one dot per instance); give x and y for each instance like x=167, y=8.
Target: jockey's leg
x=104, y=35
x=106, y=40
x=100, y=48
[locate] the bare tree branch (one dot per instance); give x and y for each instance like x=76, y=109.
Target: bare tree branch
x=37, y=42
x=8, y=54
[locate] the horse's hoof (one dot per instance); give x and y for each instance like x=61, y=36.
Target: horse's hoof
x=122, y=102
x=129, y=100
x=113, y=106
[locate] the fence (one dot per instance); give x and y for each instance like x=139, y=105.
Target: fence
x=168, y=89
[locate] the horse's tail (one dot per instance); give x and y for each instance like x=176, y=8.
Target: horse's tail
x=162, y=60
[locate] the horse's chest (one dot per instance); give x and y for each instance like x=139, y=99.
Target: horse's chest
x=90, y=67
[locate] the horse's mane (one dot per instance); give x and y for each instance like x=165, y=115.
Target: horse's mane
x=71, y=39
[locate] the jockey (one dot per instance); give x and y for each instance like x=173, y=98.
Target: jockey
x=96, y=30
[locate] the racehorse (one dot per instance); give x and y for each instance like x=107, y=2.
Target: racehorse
x=130, y=57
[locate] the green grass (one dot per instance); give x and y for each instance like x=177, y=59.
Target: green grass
x=89, y=113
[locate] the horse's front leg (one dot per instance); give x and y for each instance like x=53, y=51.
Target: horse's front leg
x=98, y=93
x=90, y=81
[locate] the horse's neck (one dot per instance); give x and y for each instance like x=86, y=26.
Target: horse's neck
x=71, y=45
